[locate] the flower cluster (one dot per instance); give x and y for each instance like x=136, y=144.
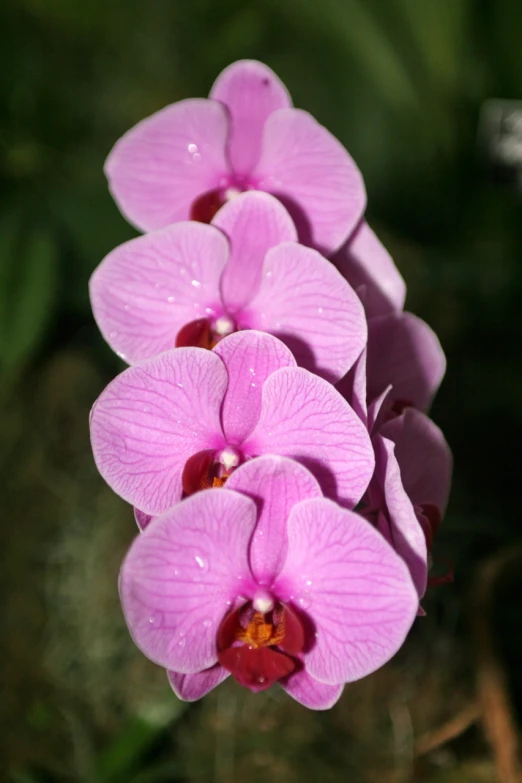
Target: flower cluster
x=271, y=429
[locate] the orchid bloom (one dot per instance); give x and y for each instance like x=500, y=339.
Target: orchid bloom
x=425, y=464
x=402, y=366
x=186, y=419
x=403, y=351
x=192, y=284
x=408, y=493
x=188, y=159
x=269, y=581
x=366, y=264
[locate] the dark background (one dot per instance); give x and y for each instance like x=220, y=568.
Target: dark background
x=403, y=84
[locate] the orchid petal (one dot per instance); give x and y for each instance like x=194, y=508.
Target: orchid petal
x=314, y=176
x=305, y=302
x=152, y=418
x=311, y=693
x=251, y=92
x=378, y=410
x=405, y=352
x=359, y=593
x=276, y=484
x=144, y=291
x=253, y=222
x=250, y=358
x=191, y=687
x=407, y=534
x=353, y=388
x=159, y=167
x=424, y=457
x=305, y=418
x=181, y=575
x=365, y=262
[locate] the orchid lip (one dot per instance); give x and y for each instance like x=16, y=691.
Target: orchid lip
x=209, y=469
x=207, y=204
x=260, y=642
x=204, y=333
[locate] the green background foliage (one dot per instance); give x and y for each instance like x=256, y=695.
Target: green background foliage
x=403, y=85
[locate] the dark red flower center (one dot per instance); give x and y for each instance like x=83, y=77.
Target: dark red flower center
x=209, y=469
x=204, y=332
x=260, y=648
x=206, y=205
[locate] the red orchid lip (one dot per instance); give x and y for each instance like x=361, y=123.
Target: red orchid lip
x=209, y=469
x=207, y=205
x=204, y=332
x=259, y=649
x=195, y=334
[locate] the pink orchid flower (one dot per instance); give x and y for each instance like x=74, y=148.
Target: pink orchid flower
x=425, y=462
x=407, y=496
x=410, y=487
x=192, y=284
x=406, y=354
x=402, y=366
x=184, y=420
x=188, y=159
x=366, y=264
x=403, y=351
x=269, y=581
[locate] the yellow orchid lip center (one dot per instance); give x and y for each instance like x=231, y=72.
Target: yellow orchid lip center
x=261, y=633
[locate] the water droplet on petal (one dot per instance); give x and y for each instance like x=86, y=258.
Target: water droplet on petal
x=207, y=623
x=156, y=619
x=202, y=563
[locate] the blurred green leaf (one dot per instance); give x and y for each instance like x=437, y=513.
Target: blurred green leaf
x=23, y=776
x=440, y=33
x=27, y=290
x=122, y=756
x=367, y=39
x=162, y=773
